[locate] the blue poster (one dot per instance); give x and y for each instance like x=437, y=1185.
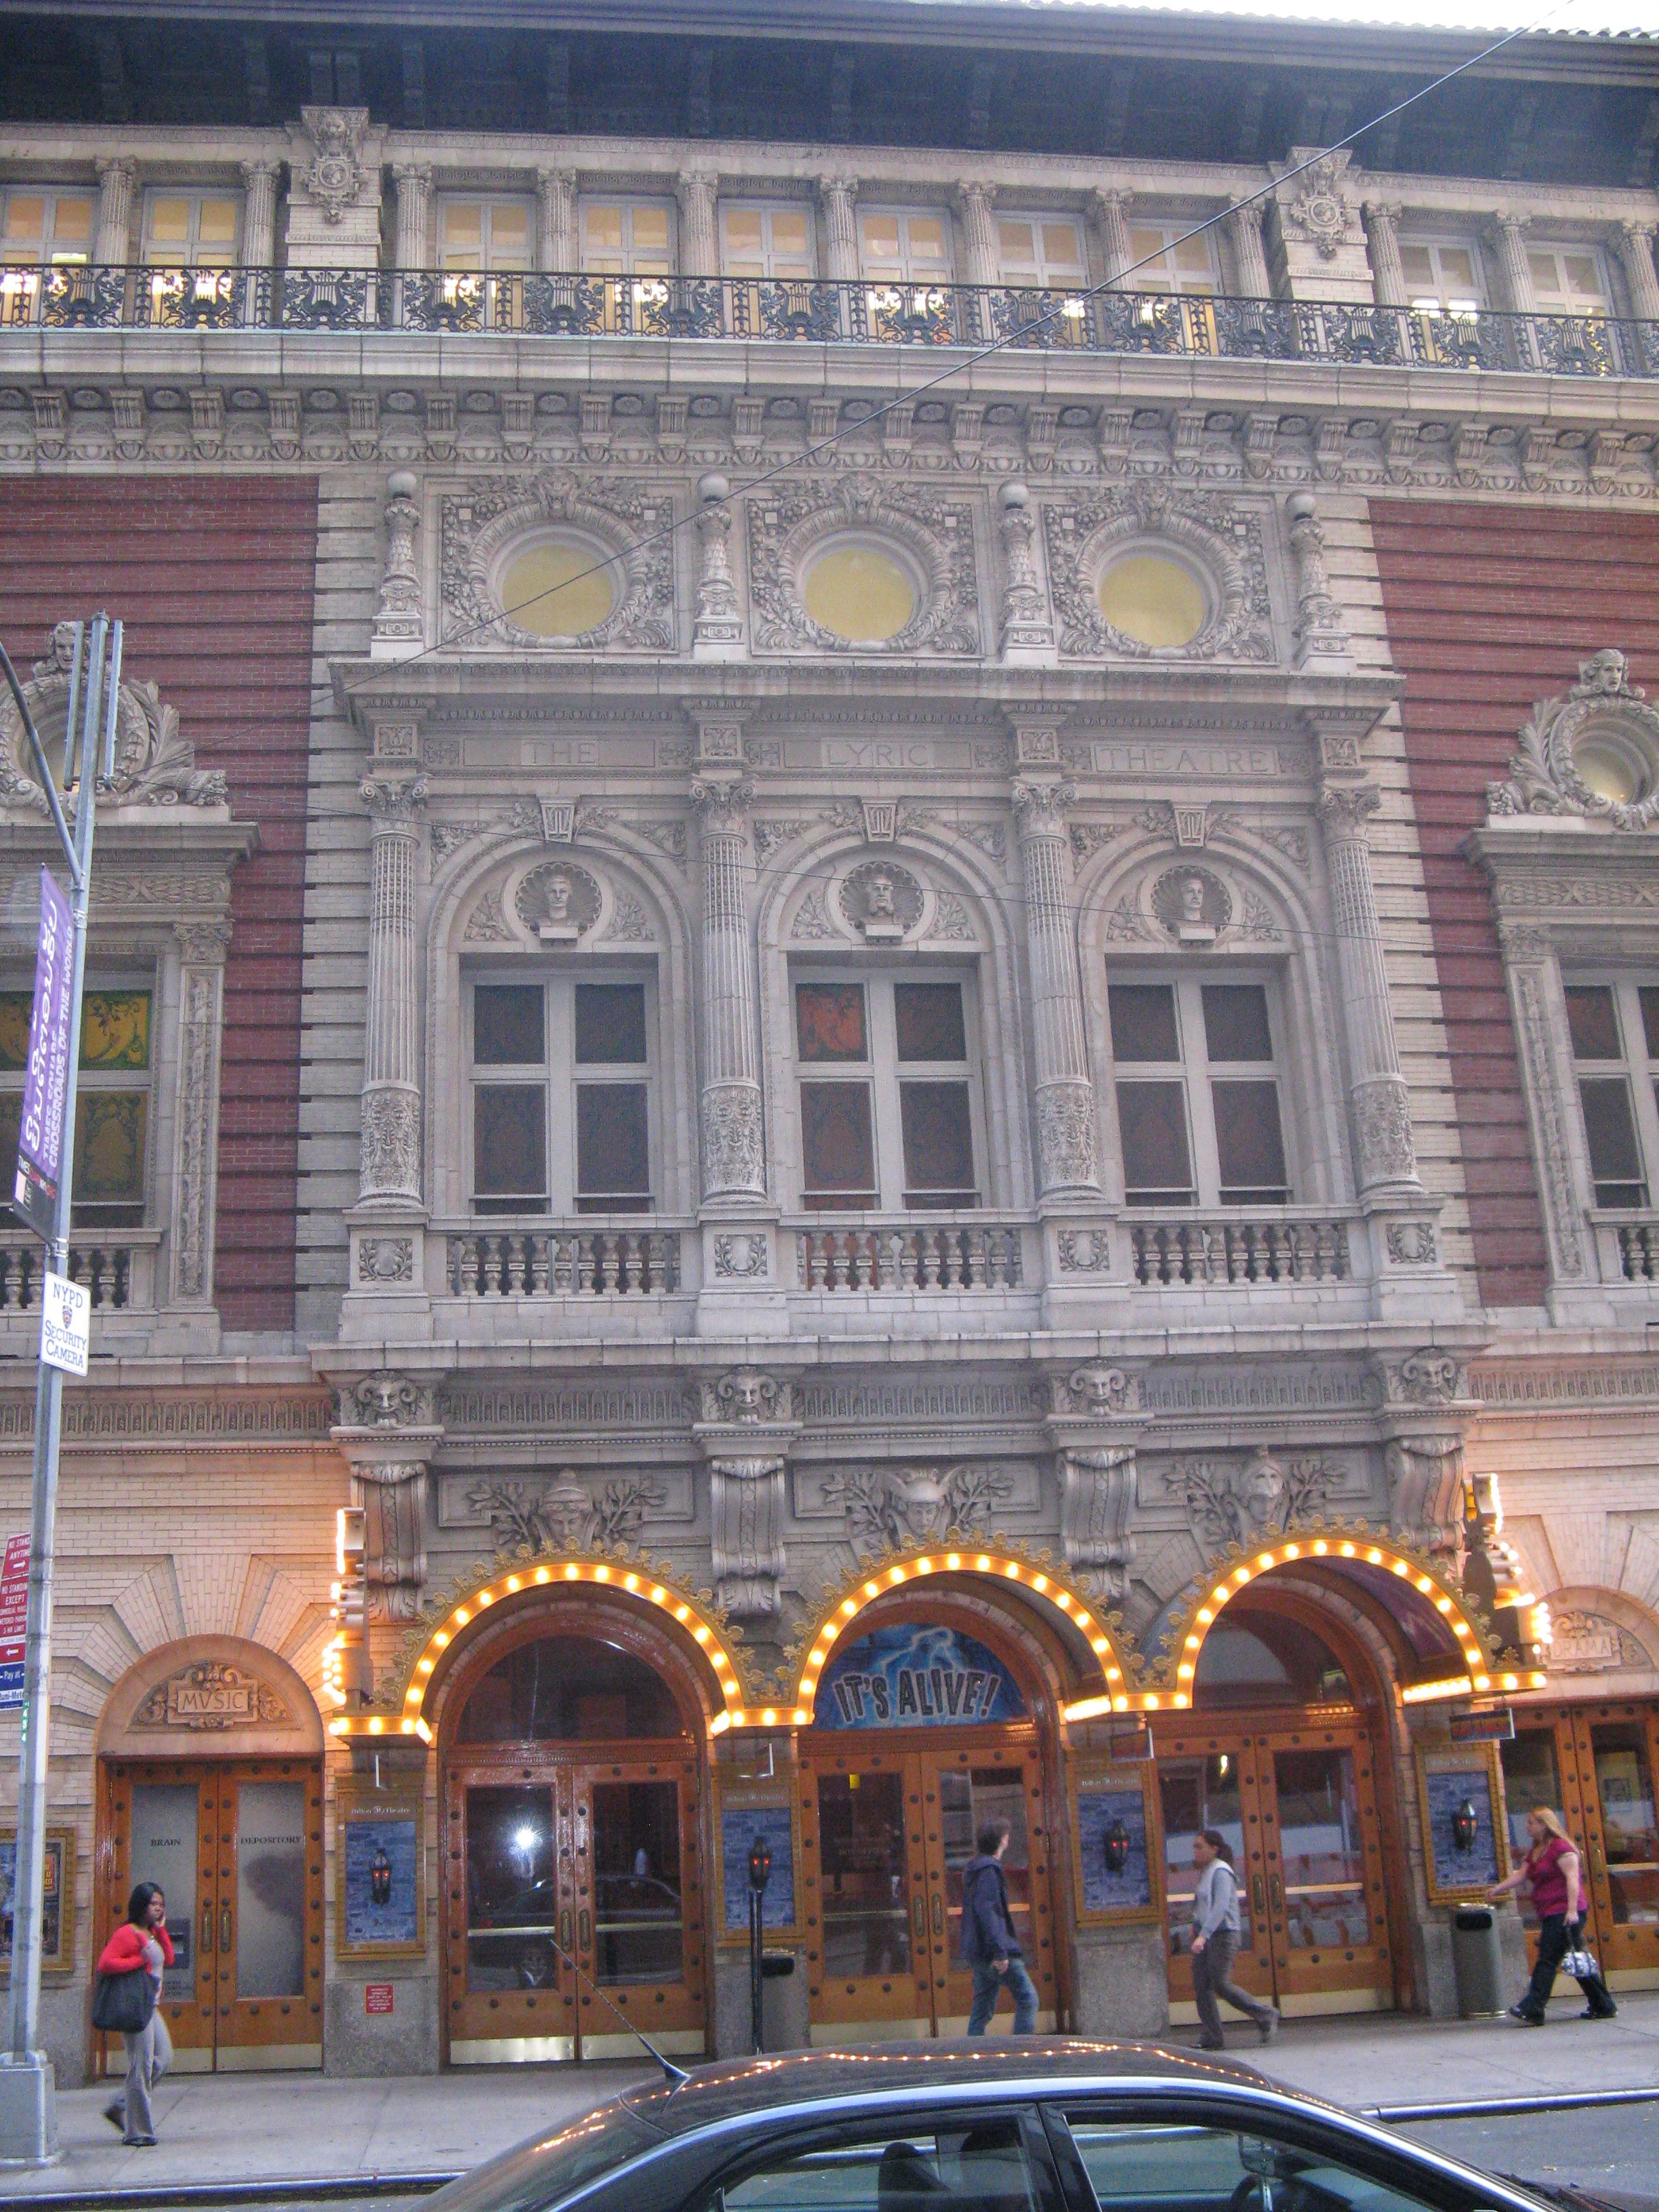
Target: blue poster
x=1118, y=1817
x=739, y=1825
x=916, y=1676
x=1447, y=1792
x=381, y=1905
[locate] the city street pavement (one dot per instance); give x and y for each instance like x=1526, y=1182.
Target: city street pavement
x=259, y=2127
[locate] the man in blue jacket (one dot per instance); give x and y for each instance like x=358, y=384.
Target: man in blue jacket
x=989, y=1944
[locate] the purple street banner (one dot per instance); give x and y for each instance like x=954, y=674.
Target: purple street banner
x=46, y=1083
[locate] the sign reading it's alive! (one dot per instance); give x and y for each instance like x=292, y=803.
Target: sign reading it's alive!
x=914, y=1675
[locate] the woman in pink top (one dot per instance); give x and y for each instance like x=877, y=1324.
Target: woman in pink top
x=1553, y=1872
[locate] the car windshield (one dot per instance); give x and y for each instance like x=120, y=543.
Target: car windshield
x=546, y=2168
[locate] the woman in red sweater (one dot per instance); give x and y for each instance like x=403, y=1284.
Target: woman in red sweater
x=1553, y=1873
x=142, y=1939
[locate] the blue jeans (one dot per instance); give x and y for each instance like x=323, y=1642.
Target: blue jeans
x=989, y=1985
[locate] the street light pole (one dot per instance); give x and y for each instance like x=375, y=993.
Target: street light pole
x=28, y=2113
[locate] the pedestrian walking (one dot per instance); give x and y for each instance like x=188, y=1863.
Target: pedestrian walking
x=1552, y=1870
x=141, y=1940
x=989, y=1944
x=1215, y=1943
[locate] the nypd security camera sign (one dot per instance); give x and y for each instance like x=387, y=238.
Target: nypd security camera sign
x=65, y=1324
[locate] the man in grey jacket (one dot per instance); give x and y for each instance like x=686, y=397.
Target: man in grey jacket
x=989, y=1944
x=1215, y=1942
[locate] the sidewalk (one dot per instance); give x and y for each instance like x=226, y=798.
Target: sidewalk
x=264, y=2126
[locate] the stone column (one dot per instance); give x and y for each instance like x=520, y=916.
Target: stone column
x=1386, y=1157
x=1112, y=233
x=981, y=254
x=717, y=633
x=1243, y=229
x=259, y=183
x=1064, y=1093
x=391, y=1144
x=202, y=948
x=747, y=1515
x=1509, y=234
x=414, y=183
x=1382, y=220
x=1027, y=631
x=397, y=620
x=700, y=252
x=116, y=181
x=733, y=1134
x=835, y=196
x=1634, y=244
x=1321, y=634
x=1540, y=1014
x=555, y=221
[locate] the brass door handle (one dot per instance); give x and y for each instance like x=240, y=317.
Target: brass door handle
x=207, y=1931
x=1276, y=1889
x=919, y=1915
x=564, y=1928
x=939, y=1914
x=224, y=1931
x=585, y=1926
x=1258, y=1895
x=1598, y=1862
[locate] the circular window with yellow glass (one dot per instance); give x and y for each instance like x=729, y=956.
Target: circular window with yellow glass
x=558, y=587
x=861, y=592
x=1158, y=602
x=1613, y=766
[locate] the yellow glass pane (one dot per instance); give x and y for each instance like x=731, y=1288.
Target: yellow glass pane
x=652, y=264
x=1016, y=241
x=1061, y=247
x=509, y=227
x=1457, y=267
x=463, y=258
x=109, y=1147
x=1143, y=242
x=789, y=231
x=71, y=221
x=604, y=227
x=1418, y=263
x=743, y=230
x=751, y=267
x=115, y=1029
x=14, y=1010
x=651, y=230
x=927, y=238
x=556, y=590
x=861, y=594
x=1609, y=771
x=26, y=217
x=1154, y=600
x=216, y=223
x=169, y=222
x=881, y=236
x=462, y=223
x=1193, y=254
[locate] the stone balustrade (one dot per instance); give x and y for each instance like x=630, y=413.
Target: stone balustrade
x=1237, y=1249
x=914, y=1253
x=518, y=1261
x=117, y=1267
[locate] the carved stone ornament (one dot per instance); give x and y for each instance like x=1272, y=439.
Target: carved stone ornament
x=564, y=1515
x=1383, y=1130
x=1604, y=718
x=1096, y=1502
x=1234, y=1503
x=1194, y=906
x=882, y=902
x=387, y=1400
x=747, y=1395
x=389, y=1144
x=788, y=525
x=210, y=1697
x=1319, y=211
x=1100, y=1391
x=734, y=1138
x=1426, y=1378
x=746, y=1514
x=154, y=762
x=480, y=528
x=1589, y=1643
x=385, y=1259
x=392, y=1494
x=1224, y=540
x=1412, y=1244
x=741, y=1255
x=889, y=1508
x=335, y=178
x=558, y=903
x=1425, y=1492
x=1066, y=1118
x=1084, y=1251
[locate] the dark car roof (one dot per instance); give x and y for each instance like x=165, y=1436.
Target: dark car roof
x=731, y=2087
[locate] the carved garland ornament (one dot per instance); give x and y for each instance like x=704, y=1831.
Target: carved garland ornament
x=1226, y=541
x=1603, y=709
x=477, y=528
x=787, y=528
x=154, y=762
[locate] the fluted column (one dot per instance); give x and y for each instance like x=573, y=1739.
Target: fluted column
x=1508, y=236
x=555, y=220
x=835, y=196
x=734, y=1136
x=1382, y=230
x=981, y=256
x=1634, y=242
x=1065, y=1094
x=1243, y=228
x=391, y=1146
x=116, y=181
x=1112, y=233
x=414, y=183
x=1382, y=1108
x=700, y=252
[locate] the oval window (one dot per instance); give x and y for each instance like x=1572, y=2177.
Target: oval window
x=557, y=589
x=1612, y=770
x=1154, y=600
x=861, y=594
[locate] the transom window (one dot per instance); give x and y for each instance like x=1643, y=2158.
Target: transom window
x=1174, y=262
x=1197, y=1094
x=112, y=1117
x=627, y=237
x=43, y=224
x=1443, y=275
x=483, y=234
x=1044, y=250
x=906, y=245
x=191, y=230
x=1614, y=1027
x=888, y=1099
x=767, y=241
x=1568, y=280
x=561, y=1096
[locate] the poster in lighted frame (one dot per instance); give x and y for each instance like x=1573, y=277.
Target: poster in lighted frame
x=775, y=1813
x=380, y=1868
x=57, y=1916
x=1446, y=1781
x=1100, y=1795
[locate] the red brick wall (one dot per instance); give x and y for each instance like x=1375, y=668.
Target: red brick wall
x=214, y=582
x=1489, y=608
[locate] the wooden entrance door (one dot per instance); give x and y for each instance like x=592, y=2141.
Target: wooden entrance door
x=1598, y=1765
x=886, y=1830
x=555, y=1860
x=1298, y=1806
x=237, y=1846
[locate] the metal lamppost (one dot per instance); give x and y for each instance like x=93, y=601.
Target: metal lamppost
x=44, y=1197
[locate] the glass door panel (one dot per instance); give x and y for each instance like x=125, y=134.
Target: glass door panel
x=1325, y=1880
x=865, y=1820
x=1609, y=1754
x=1629, y=1828
x=168, y=1842
x=639, y=1906
x=1215, y=1789
x=511, y=1882
x=960, y=1795
x=1536, y=1773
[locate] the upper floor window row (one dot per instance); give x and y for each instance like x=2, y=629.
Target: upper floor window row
x=1447, y=273
x=179, y=229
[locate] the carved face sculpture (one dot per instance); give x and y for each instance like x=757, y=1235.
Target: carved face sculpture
x=746, y=1395
x=383, y=1401
x=1101, y=1389
x=922, y=1501
x=1264, y=1486
x=1192, y=899
x=558, y=897
x=878, y=898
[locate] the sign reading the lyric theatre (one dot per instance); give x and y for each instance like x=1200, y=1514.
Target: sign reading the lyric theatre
x=916, y=1676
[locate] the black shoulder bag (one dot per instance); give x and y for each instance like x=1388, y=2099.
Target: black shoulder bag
x=122, y=2003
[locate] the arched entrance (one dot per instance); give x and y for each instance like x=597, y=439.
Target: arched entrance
x=572, y=1728
x=211, y=1783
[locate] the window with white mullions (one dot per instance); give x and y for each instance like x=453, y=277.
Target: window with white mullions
x=1443, y=275
x=1569, y=280
x=1197, y=1093
x=562, y=1081
x=889, y=1103
x=191, y=230
x=1173, y=261
x=627, y=237
x=1043, y=251
x=477, y=235
x=906, y=245
x=1614, y=1028
x=42, y=224
x=767, y=242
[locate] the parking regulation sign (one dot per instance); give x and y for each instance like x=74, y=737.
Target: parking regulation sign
x=65, y=1324
x=14, y=1618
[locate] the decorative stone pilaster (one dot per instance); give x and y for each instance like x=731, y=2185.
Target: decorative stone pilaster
x=555, y=220
x=388, y=1433
x=116, y=181
x=1538, y=1009
x=1633, y=243
x=391, y=1141
x=696, y=190
x=1066, y=1114
x=981, y=257
x=1028, y=629
x=1426, y=1415
x=1322, y=633
x=1509, y=237
x=1111, y=212
x=717, y=631
x=733, y=1132
x=202, y=948
x=836, y=196
x=398, y=626
x=1243, y=228
x=334, y=194
x=1095, y=1422
x=260, y=180
x=747, y=1420
x=1385, y=1156
x=1383, y=236
x=414, y=182
x=1321, y=238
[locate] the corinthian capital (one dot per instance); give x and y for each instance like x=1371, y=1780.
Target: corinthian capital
x=722, y=807
x=1345, y=808
x=390, y=800
x=1042, y=807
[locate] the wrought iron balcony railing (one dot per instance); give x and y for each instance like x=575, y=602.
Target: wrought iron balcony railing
x=867, y=313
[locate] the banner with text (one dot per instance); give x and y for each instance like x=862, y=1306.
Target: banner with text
x=46, y=1080
x=915, y=1675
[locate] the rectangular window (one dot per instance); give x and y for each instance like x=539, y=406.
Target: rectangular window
x=774, y=242
x=112, y=1119
x=561, y=1084
x=43, y=224
x=484, y=234
x=889, y=1100
x=1174, y=262
x=906, y=245
x=1197, y=1094
x=1568, y=280
x=627, y=237
x=903, y=2168
x=1613, y=1028
x=1443, y=275
x=191, y=230
x=1042, y=251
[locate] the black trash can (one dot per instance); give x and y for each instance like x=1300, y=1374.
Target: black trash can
x=1477, y=1961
